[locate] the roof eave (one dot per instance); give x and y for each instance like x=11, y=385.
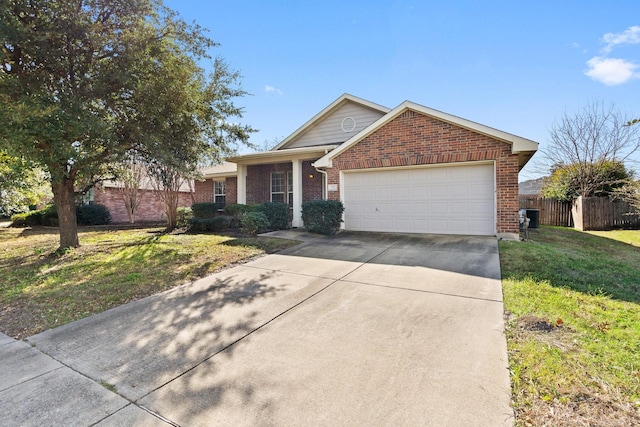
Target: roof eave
x=284, y=155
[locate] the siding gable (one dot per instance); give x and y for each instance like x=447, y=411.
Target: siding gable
x=329, y=130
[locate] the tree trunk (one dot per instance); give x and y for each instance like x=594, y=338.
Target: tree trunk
x=171, y=208
x=64, y=197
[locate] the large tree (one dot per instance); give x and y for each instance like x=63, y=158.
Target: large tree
x=587, y=151
x=84, y=83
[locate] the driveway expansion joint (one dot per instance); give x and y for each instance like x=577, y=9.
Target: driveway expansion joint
x=424, y=291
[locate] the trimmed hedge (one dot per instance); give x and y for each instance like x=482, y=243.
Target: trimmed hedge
x=236, y=210
x=93, y=215
x=254, y=222
x=205, y=210
x=218, y=223
x=322, y=216
x=48, y=216
x=276, y=213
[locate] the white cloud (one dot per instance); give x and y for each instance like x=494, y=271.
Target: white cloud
x=611, y=71
x=629, y=36
x=272, y=89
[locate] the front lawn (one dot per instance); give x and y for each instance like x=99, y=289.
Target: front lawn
x=573, y=327
x=40, y=289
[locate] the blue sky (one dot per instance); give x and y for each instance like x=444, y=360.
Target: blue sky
x=516, y=66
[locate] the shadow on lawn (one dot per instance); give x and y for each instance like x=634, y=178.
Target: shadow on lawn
x=579, y=261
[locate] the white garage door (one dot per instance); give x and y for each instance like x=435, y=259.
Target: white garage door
x=441, y=200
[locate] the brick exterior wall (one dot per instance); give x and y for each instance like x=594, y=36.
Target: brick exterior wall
x=311, y=187
x=259, y=181
x=149, y=210
x=415, y=139
x=204, y=191
x=231, y=190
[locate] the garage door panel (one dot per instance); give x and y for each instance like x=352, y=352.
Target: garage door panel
x=448, y=200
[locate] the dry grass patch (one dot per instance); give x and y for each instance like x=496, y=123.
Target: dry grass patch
x=41, y=289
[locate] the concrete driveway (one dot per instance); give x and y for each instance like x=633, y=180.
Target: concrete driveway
x=356, y=329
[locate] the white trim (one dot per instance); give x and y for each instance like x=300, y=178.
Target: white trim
x=286, y=155
x=224, y=188
x=241, y=197
x=422, y=166
x=518, y=144
x=297, y=193
x=327, y=110
x=284, y=192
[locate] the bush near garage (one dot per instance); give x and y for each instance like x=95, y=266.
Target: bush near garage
x=322, y=216
x=276, y=213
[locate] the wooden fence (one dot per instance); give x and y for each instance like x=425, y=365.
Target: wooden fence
x=591, y=213
x=552, y=212
x=600, y=213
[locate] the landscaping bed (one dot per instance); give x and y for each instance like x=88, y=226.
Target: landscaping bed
x=572, y=302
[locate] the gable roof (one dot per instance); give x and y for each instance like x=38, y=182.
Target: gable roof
x=525, y=148
x=343, y=99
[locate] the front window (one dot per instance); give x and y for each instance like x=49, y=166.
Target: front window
x=278, y=187
x=87, y=197
x=218, y=193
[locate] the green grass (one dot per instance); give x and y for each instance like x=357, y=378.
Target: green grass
x=587, y=370
x=40, y=289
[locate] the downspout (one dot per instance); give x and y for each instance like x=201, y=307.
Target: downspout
x=325, y=183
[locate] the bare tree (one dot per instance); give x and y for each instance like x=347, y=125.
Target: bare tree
x=581, y=143
x=167, y=181
x=131, y=176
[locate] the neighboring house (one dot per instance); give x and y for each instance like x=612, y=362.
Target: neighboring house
x=410, y=169
x=150, y=209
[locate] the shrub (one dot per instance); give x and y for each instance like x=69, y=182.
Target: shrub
x=184, y=215
x=47, y=216
x=236, y=210
x=19, y=220
x=222, y=222
x=93, y=214
x=205, y=210
x=202, y=225
x=276, y=213
x=322, y=216
x=254, y=222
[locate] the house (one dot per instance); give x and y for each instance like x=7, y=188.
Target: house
x=150, y=208
x=410, y=169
